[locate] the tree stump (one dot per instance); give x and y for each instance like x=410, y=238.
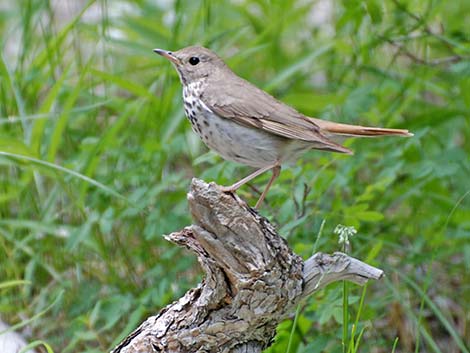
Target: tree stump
x=252, y=281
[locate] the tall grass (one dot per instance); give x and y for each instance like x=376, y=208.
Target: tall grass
x=96, y=158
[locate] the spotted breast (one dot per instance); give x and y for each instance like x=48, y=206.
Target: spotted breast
x=227, y=137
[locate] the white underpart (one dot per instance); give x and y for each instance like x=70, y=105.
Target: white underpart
x=233, y=141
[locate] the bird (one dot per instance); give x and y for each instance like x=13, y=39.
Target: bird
x=244, y=124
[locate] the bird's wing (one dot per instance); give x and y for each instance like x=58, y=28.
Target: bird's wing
x=250, y=106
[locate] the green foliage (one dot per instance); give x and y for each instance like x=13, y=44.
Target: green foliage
x=96, y=158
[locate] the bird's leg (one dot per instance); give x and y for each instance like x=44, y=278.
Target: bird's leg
x=236, y=186
x=276, y=171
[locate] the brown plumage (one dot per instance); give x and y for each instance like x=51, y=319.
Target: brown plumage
x=247, y=125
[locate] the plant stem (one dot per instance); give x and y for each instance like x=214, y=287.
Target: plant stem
x=345, y=308
x=345, y=315
x=294, y=325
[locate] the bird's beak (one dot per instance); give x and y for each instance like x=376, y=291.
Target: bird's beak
x=167, y=54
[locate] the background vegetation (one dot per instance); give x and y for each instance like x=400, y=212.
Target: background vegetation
x=96, y=158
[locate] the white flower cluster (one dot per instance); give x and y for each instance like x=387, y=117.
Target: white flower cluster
x=344, y=233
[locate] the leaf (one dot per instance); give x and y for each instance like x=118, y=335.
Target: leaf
x=312, y=102
x=14, y=146
x=369, y=216
x=296, y=67
x=374, y=9
x=132, y=87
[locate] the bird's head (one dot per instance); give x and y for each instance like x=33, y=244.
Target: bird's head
x=193, y=63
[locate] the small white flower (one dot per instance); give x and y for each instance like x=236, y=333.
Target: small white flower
x=63, y=232
x=344, y=233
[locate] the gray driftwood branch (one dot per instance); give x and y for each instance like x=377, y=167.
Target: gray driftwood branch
x=252, y=281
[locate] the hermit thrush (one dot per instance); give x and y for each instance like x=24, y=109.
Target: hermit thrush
x=244, y=124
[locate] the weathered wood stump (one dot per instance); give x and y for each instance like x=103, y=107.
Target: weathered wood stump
x=252, y=282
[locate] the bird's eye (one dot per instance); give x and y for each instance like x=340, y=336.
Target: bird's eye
x=194, y=60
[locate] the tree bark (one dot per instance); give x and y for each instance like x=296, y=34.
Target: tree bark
x=252, y=281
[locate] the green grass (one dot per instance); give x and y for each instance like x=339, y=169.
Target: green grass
x=96, y=158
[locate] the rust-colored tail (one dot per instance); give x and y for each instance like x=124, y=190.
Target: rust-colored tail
x=329, y=127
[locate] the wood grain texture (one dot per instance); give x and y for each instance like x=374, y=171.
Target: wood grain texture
x=252, y=281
